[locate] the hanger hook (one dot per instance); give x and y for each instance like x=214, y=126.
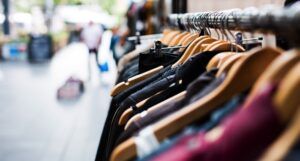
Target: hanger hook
x=186, y=22
x=225, y=25
x=212, y=18
x=204, y=20
x=197, y=23
x=194, y=23
x=219, y=24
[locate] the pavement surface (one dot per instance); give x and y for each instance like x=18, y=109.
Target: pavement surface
x=34, y=126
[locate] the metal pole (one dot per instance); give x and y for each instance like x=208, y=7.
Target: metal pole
x=6, y=28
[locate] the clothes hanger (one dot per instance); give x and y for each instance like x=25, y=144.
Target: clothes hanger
x=224, y=60
x=220, y=48
x=128, y=112
x=275, y=72
x=126, y=115
x=208, y=39
x=124, y=85
x=240, y=77
x=222, y=45
x=166, y=31
x=286, y=99
x=225, y=67
x=190, y=40
x=227, y=56
x=193, y=39
x=155, y=107
x=183, y=38
x=216, y=60
x=132, y=81
x=225, y=45
x=177, y=38
x=206, y=47
x=280, y=148
x=198, y=46
x=189, y=50
x=131, y=55
x=169, y=37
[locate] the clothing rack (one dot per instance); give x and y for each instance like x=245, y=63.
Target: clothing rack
x=268, y=19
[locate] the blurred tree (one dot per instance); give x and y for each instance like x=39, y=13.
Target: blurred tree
x=25, y=5
x=107, y=5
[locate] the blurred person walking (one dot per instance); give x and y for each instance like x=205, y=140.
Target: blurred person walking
x=91, y=35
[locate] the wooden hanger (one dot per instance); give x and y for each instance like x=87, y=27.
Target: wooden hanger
x=240, y=77
x=286, y=99
x=208, y=46
x=226, y=57
x=155, y=107
x=280, y=148
x=132, y=81
x=179, y=43
x=165, y=33
x=126, y=115
x=221, y=45
x=197, y=47
x=274, y=73
x=224, y=46
x=215, y=61
x=189, y=50
x=135, y=79
x=284, y=69
x=189, y=39
x=128, y=112
x=195, y=39
x=224, y=68
x=277, y=70
x=131, y=55
x=169, y=37
x=287, y=103
x=177, y=38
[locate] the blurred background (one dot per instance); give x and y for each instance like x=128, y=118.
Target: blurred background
x=58, y=65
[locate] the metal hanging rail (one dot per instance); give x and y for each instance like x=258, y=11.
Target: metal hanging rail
x=282, y=21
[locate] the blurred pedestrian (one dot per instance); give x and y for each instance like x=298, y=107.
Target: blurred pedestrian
x=91, y=36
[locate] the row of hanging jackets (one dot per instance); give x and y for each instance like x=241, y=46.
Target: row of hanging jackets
x=195, y=97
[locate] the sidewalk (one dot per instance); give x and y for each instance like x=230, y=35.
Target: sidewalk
x=34, y=126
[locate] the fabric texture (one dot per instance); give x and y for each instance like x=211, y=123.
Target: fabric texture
x=243, y=136
x=187, y=72
x=207, y=124
x=146, y=142
x=197, y=85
